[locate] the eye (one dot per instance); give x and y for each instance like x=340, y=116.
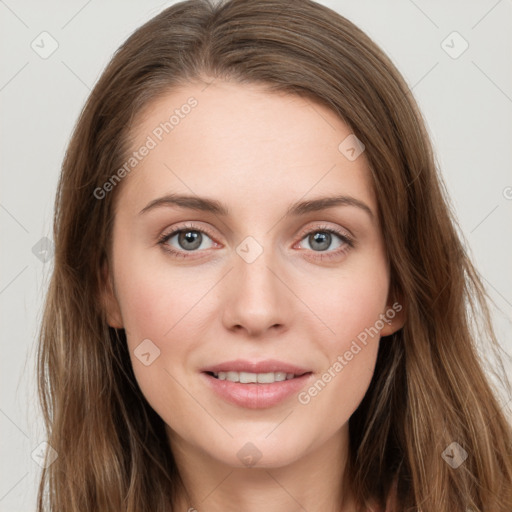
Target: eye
x=321, y=239
x=186, y=239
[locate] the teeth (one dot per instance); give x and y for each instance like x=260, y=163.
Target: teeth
x=247, y=378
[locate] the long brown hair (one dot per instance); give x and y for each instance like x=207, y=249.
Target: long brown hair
x=429, y=389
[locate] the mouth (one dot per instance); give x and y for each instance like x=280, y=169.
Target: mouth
x=255, y=378
x=256, y=385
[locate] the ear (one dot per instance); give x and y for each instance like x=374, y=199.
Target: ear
x=109, y=300
x=394, y=316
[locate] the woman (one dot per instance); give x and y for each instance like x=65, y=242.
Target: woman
x=199, y=349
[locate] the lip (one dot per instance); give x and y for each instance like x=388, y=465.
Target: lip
x=255, y=395
x=267, y=366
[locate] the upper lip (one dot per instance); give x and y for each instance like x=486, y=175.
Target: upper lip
x=267, y=366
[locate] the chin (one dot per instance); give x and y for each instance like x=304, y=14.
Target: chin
x=257, y=452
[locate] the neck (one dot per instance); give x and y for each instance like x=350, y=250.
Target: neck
x=311, y=483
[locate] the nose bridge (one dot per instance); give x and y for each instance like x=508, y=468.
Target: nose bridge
x=257, y=298
x=253, y=266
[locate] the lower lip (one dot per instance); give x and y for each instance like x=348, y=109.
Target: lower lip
x=256, y=396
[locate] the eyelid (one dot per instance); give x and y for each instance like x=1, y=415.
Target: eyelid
x=183, y=227
x=345, y=236
x=343, y=232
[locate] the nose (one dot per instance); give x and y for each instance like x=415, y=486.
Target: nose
x=257, y=299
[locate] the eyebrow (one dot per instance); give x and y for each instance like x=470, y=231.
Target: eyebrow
x=213, y=206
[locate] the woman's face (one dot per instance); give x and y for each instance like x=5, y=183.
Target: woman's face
x=263, y=282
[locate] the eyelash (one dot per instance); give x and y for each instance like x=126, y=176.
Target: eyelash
x=347, y=240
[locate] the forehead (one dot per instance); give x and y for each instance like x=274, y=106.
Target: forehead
x=241, y=141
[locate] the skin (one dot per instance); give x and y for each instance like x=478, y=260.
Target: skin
x=257, y=153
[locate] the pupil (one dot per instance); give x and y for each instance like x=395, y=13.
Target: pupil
x=324, y=239
x=189, y=240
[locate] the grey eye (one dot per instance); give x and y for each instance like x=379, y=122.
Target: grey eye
x=189, y=239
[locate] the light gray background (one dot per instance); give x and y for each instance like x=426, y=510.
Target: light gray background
x=466, y=101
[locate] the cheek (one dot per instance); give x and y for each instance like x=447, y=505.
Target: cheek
x=170, y=307
x=355, y=311
x=351, y=311
x=155, y=300
x=350, y=303
x=158, y=311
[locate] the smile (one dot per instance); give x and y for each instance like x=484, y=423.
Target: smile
x=255, y=390
x=249, y=378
